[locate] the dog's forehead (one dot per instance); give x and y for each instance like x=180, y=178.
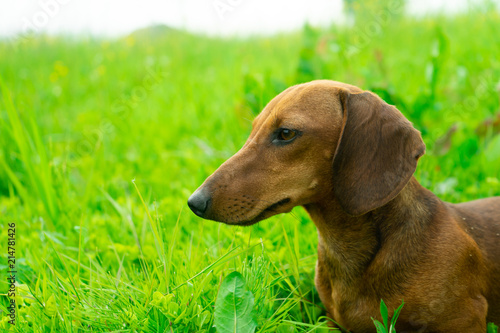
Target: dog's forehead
x=313, y=101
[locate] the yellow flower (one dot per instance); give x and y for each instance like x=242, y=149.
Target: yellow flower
x=130, y=41
x=101, y=70
x=53, y=77
x=60, y=68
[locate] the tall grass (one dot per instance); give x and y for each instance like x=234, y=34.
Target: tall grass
x=80, y=119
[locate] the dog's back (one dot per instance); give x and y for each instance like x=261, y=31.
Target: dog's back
x=481, y=220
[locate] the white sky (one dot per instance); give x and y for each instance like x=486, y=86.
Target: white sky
x=223, y=17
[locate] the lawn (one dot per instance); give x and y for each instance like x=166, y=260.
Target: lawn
x=103, y=140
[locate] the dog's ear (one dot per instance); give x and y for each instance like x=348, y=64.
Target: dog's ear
x=376, y=155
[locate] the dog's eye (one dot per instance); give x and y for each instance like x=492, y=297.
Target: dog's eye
x=286, y=134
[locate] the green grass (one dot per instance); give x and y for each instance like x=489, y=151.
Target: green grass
x=102, y=142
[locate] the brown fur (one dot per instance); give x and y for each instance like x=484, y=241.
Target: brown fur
x=381, y=234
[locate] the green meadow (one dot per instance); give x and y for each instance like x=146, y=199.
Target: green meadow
x=103, y=140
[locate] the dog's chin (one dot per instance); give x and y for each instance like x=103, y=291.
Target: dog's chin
x=274, y=209
x=246, y=223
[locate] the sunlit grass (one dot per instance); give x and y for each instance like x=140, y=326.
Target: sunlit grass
x=80, y=119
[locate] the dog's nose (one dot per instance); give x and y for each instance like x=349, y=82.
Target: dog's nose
x=198, y=202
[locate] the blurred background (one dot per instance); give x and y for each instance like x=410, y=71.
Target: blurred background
x=212, y=17
x=113, y=113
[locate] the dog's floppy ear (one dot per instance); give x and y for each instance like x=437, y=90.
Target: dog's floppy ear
x=376, y=155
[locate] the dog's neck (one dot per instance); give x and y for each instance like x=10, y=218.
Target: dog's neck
x=349, y=246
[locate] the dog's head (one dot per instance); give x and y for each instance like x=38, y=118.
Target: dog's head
x=314, y=140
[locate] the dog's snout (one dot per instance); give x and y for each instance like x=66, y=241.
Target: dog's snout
x=198, y=202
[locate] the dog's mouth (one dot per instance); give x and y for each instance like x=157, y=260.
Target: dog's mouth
x=268, y=212
x=273, y=207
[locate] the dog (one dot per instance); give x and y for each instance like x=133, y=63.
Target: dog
x=348, y=158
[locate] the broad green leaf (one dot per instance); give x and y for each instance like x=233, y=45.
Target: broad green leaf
x=492, y=328
x=234, y=306
x=384, y=313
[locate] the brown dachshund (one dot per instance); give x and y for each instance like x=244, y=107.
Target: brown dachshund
x=348, y=158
